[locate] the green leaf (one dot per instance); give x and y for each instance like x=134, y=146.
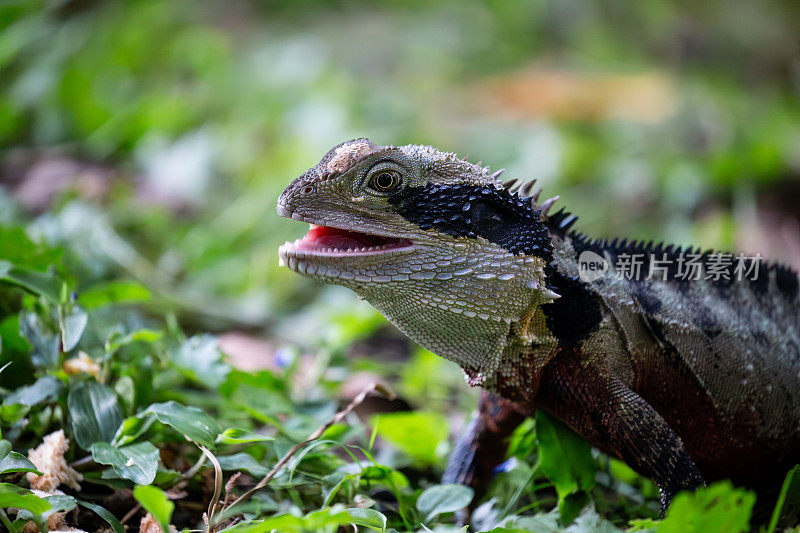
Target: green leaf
x=39, y=283
x=420, y=434
x=13, y=412
x=242, y=461
x=18, y=249
x=189, y=421
x=541, y=523
x=114, y=292
x=131, y=429
x=46, y=343
x=105, y=514
x=200, y=357
x=136, y=462
x=11, y=462
x=590, y=521
x=156, y=503
x=241, y=436
x=789, y=497
x=298, y=458
x=367, y=517
x=258, y=506
x=14, y=496
x=125, y=389
x=571, y=505
x=322, y=520
x=566, y=460
x=718, y=507
x=445, y=498
x=44, y=389
x=523, y=440
x=59, y=503
x=73, y=327
x=117, y=340
x=383, y=474
x=95, y=413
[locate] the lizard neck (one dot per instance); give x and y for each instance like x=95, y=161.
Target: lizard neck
x=480, y=318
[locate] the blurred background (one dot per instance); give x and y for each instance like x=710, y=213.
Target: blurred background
x=151, y=138
x=143, y=145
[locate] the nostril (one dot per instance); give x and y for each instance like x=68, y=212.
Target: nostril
x=307, y=189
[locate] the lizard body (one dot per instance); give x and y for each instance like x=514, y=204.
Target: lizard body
x=686, y=380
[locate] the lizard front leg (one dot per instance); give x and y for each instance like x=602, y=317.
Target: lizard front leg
x=483, y=444
x=612, y=417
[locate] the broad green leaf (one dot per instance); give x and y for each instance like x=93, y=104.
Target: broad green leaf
x=241, y=436
x=14, y=496
x=540, y=523
x=566, y=459
x=420, y=434
x=44, y=389
x=95, y=413
x=321, y=520
x=72, y=328
x=137, y=462
x=242, y=461
x=156, y=503
x=105, y=514
x=445, y=498
x=200, y=357
x=39, y=283
x=59, y=503
x=126, y=392
x=189, y=421
x=571, y=505
x=117, y=292
x=11, y=462
x=45, y=343
x=367, y=517
x=718, y=507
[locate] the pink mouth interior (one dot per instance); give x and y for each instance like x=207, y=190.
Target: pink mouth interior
x=323, y=238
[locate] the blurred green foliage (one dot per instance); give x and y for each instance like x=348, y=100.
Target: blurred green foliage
x=208, y=108
x=143, y=145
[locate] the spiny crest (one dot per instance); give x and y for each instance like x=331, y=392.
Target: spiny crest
x=786, y=279
x=561, y=220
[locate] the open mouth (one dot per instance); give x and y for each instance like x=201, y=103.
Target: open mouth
x=324, y=240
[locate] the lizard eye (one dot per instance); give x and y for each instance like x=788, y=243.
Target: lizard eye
x=385, y=180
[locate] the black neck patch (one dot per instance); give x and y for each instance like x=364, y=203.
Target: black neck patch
x=498, y=216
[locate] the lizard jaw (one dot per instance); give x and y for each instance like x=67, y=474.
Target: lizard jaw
x=338, y=242
x=325, y=244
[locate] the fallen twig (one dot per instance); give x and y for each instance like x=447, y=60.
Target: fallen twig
x=338, y=417
x=130, y=513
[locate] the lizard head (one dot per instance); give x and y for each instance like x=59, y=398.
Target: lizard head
x=418, y=232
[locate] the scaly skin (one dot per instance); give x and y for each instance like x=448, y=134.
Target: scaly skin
x=686, y=381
